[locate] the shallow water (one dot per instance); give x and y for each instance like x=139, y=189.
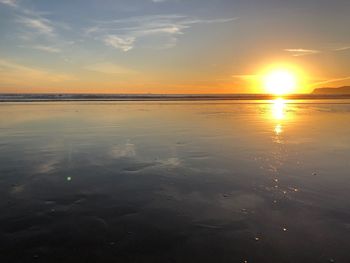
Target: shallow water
x=162, y=182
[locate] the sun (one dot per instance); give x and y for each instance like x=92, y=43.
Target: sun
x=280, y=82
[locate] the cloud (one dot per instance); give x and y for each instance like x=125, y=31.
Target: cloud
x=124, y=44
x=41, y=25
x=244, y=77
x=156, y=31
x=109, y=68
x=331, y=81
x=342, y=48
x=298, y=52
x=47, y=49
x=37, y=29
x=12, y=3
x=14, y=73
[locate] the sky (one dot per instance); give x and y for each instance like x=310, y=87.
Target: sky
x=171, y=46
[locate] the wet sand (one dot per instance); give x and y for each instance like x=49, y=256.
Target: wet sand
x=174, y=181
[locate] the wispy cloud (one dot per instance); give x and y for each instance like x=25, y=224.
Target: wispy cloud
x=109, y=68
x=47, y=49
x=36, y=29
x=245, y=77
x=342, y=48
x=158, y=31
x=333, y=80
x=10, y=72
x=124, y=44
x=12, y=3
x=297, y=52
x=40, y=25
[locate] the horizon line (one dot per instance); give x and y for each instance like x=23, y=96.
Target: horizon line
x=51, y=97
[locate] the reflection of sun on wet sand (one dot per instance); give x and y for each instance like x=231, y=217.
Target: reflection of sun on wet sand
x=278, y=129
x=279, y=109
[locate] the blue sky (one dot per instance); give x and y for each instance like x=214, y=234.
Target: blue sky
x=169, y=46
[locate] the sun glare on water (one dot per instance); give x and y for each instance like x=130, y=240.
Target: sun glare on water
x=280, y=82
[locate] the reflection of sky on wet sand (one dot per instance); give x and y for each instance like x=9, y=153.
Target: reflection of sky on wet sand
x=223, y=181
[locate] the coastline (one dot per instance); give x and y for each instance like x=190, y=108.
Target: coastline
x=161, y=97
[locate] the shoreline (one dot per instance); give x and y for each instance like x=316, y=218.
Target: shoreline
x=159, y=97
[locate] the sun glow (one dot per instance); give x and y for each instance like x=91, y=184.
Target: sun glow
x=280, y=82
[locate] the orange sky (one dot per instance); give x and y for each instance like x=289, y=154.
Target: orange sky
x=171, y=46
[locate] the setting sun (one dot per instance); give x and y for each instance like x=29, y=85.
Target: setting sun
x=280, y=82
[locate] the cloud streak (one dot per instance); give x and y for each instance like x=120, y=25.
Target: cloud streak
x=47, y=49
x=245, y=76
x=331, y=81
x=124, y=44
x=12, y=3
x=158, y=31
x=342, y=48
x=40, y=25
x=9, y=72
x=109, y=68
x=298, y=52
x=36, y=29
